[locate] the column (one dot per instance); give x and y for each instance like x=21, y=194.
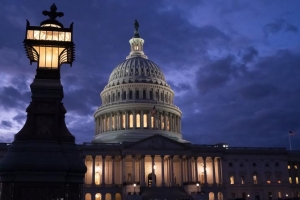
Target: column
x=110, y=122
x=189, y=169
x=181, y=171
x=179, y=125
x=96, y=126
x=103, y=170
x=143, y=171
x=196, y=169
x=171, y=170
x=156, y=120
x=153, y=173
x=134, y=119
x=113, y=170
x=93, y=171
x=123, y=169
x=149, y=119
x=126, y=119
x=171, y=121
x=219, y=170
x=142, y=119
x=101, y=124
x=162, y=170
x=165, y=120
x=205, y=175
x=213, y=167
x=116, y=122
x=133, y=169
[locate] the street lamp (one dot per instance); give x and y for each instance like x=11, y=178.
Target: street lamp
x=197, y=184
x=50, y=45
x=134, y=185
x=248, y=196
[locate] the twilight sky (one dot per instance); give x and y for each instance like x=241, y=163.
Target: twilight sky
x=234, y=65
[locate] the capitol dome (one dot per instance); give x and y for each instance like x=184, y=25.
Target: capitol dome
x=137, y=102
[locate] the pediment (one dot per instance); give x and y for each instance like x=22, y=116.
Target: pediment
x=158, y=142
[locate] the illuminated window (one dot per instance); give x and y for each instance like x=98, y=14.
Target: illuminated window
x=168, y=122
x=113, y=122
x=162, y=122
x=279, y=181
x=107, y=124
x=138, y=120
x=279, y=194
x=297, y=180
x=290, y=180
x=136, y=47
x=295, y=167
x=130, y=121
x=123, y=120
x=231, y=178
x=242, y=180
x=255, y=178
x=152, y=122
x=145, y=118
x=289, y=167
x=268, y=182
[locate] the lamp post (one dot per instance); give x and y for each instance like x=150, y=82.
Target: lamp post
x=248, y=196
x=43, y=161
x=197, y=184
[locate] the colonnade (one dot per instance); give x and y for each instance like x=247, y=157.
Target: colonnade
x=138, y=119
x=162, y=170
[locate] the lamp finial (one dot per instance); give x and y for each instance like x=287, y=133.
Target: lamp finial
x=52, y=14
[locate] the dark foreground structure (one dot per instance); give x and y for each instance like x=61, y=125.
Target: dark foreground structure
x=43, y=162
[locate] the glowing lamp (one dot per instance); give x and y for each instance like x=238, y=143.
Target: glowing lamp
x=50, y=44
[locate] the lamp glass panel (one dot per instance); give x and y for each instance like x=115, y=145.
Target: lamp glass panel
x=48, y=56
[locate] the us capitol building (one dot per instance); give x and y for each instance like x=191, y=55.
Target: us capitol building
x=138, y=151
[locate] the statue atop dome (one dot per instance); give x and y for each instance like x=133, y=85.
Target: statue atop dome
x=136, y=29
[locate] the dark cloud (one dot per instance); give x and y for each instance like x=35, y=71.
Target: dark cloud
x=12, y=98
x=277, y=26
x=179, y=87
x=20, y=118
x=257, y=90
x=249, y=54
x=5, y=124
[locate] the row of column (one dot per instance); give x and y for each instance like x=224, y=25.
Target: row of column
x=138, y=119
x=188, y=173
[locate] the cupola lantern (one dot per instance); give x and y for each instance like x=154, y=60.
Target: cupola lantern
x=50, y=44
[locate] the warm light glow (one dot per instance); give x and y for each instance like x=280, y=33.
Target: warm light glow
x=138, y=120
x=49, y=35
x=286, y=195
x=97, y=178
x=154, y=167
x=152, y=122
x=248, y=195
x=197, y=184
x=145, y=120
x=162, y=122
x=130, y=121
x=48, y=56
x=231, y=180
x=134, y=185
x=123, y=120
x=97, y=169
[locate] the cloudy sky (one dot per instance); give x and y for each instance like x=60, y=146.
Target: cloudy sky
x=234, y=65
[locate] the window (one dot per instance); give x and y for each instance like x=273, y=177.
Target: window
x=157, y=95
x=268, y=182
x=151, y=95
x=168, y=123
x=144, y=94
x=113, y=97
x=118, y=97
x=290, y=180
x=131, y=121
x=136, y=47
x=231, y=179
x=297, y=180
x=145, y=117
x=230, y=164
x=278, y=181
x=242, y=179
x=295, y=167
x=124, y=95
x=279, y=195
x=113, y=122
x=162, y=122
x=289, y=167
x=137, y=94
x=138, y=120
x=130, y=94
x=107, y=124
x=108, y=98
x=255, y=178
x=161, y=97
x=123, y=120
x=166, y=98
x=152, y=122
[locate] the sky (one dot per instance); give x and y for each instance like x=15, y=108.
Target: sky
x=234, y=65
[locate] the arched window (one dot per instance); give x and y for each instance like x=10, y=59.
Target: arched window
x=118, y=196
x=137, y=94
x=98, y=196
x=162, y=122
x=124, y=95
x=220, y=196
x=161, y=96
x=231, y=179
x=118, y=96
x=151, y=94
x=255, y=181
x=130, y=94
x=88, y=196
x=145, y=118
x=211, y=196
x=109, y=98
x=123, y=121
x=157, y=95
x=107, y=196
x=131, y=121
x=168, y=123
x=138, y=120
x=166, y=98
x=144, y=94
x=113, y=97
x=152, y=122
